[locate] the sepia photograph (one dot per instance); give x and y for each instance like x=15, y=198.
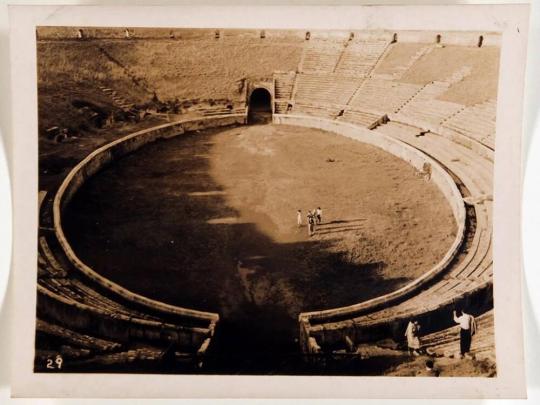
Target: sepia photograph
x=266, y=201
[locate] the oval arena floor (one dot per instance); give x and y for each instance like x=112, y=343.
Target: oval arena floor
x=208, y=221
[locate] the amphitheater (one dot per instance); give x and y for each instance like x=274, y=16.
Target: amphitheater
x=427, y=100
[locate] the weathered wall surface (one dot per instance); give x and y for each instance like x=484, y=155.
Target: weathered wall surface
x=119, y=327
x=450, y=37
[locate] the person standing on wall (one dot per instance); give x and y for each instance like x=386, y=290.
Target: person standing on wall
x=467, y=329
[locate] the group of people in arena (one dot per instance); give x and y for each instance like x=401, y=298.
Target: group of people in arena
x=314, y=217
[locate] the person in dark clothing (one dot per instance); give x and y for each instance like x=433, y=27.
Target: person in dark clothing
x=466, y=331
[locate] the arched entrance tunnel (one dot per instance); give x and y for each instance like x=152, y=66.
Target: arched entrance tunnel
x=260, y=106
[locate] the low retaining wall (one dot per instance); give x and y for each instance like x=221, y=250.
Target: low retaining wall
x=477, y=301
x=97, y=160
x=470, y=143
x=451, y=37
x=121, y=328
x=415, y=158
x=477, y=147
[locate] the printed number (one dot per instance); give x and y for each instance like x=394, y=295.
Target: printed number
x=58, y=360
x=56, y=363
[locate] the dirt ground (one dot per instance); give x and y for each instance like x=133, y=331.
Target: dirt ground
x=445, y=366
x=208, y=221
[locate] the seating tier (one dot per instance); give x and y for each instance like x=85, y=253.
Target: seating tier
x=446, y=342
x=317, y=110
x=284, y=83
x=361, y=118
x=425, y=110
x=383, y=96
x=325, y=88
x=321, y=57
x=73, y=338
x=476, y=122
x=360, y=58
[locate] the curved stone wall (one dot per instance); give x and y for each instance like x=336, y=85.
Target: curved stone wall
x=98, y=159
x=415, y=158
x=114, y=150
x=120, y=327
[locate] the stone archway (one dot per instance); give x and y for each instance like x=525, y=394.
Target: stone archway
x=260, y=106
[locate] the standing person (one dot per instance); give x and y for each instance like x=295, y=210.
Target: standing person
x=467, y=328
x=412, y=333
x=311, y=223
x=299, y=218
x=318, y=213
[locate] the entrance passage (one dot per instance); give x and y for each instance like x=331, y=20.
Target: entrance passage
x=260, y=107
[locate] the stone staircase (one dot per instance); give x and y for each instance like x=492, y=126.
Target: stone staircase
x=119, y=101
x=283, y=90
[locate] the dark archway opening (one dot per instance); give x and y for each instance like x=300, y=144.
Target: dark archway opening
x=260, y=106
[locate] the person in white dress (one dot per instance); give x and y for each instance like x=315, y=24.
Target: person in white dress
x=412, y=333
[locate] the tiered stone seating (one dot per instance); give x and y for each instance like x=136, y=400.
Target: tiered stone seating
x=424, y=110
x=317, y=110
x=398, y=71
x=320, y=56
x=324, y=88
x=80, y=322
x=76, y=358
x=284, y=83
x=280, y=106
x=118, y=100
x=359, y=58
x=383, y=96
x=208, y=111
x=471, y=273
x=75, y=339
x=142, y=355
x=446, y=342
x=58, y=281
x=476, y=122
x=361, y=118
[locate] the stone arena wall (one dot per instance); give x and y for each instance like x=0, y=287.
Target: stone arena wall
x=415, y=158
x=447, y=37
x=118, y=327
x=97, y=160
x=450, y=37
x=478, y=301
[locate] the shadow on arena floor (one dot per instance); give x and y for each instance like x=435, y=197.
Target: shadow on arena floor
x=158, y=223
